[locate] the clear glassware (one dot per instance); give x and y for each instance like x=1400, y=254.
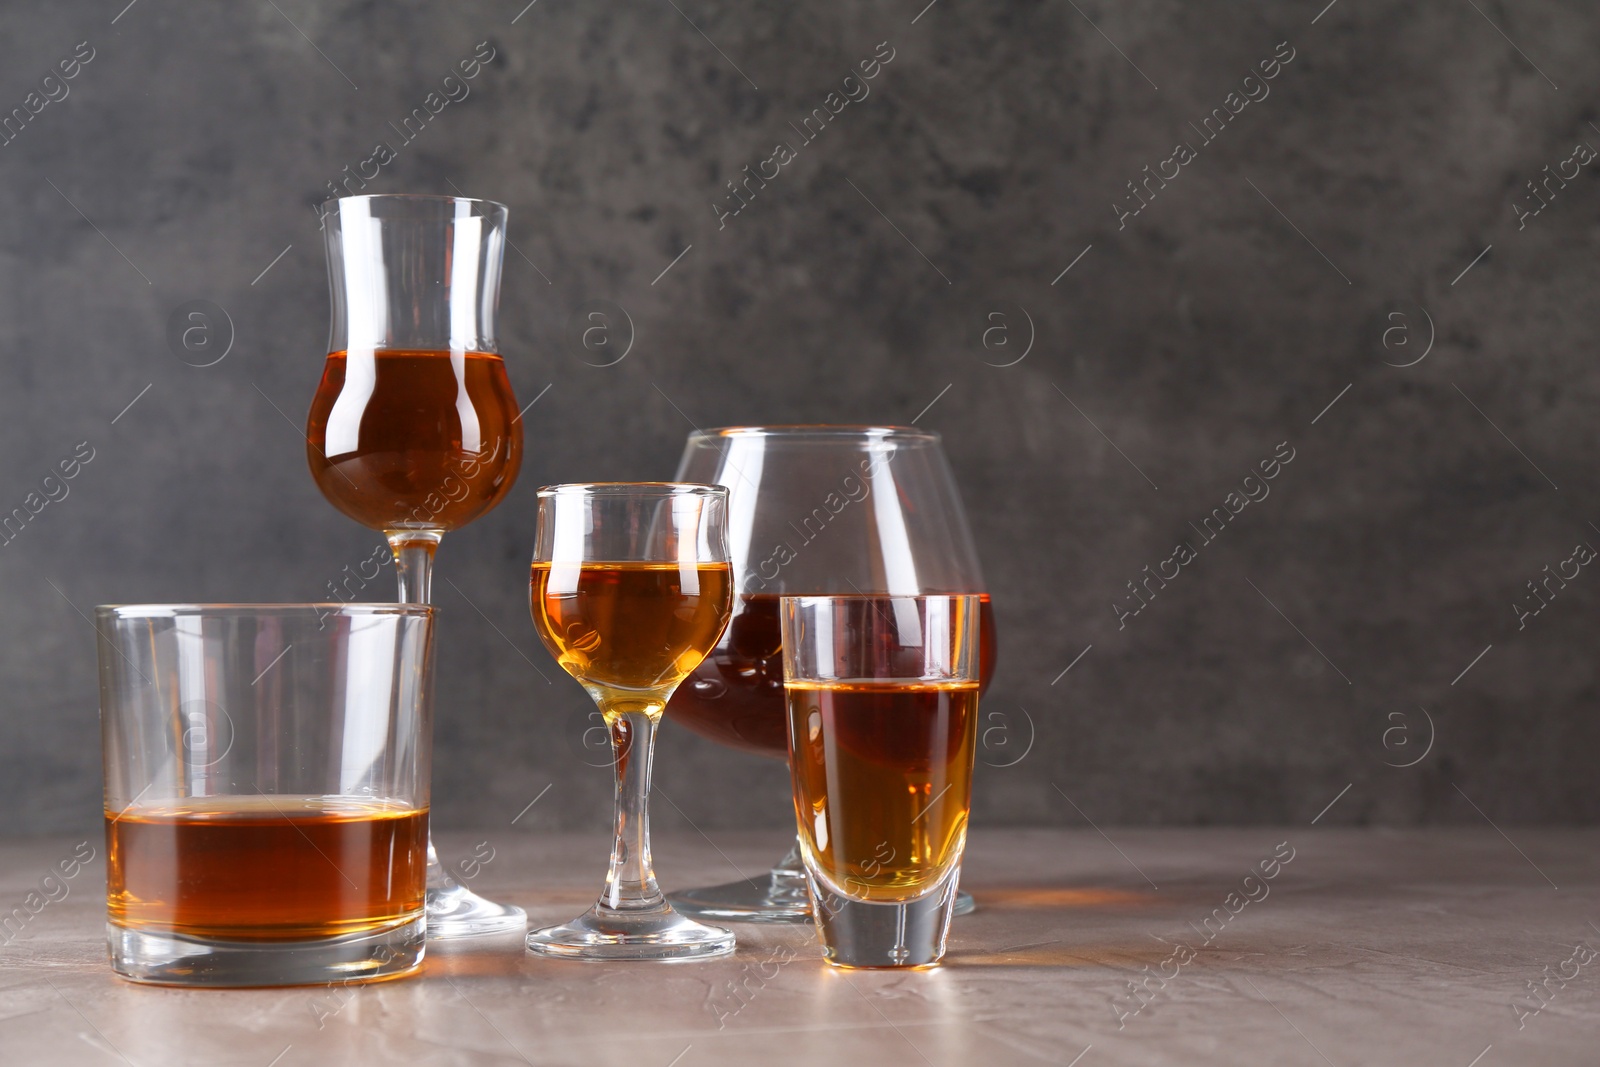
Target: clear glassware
x=414, y=430
x=631, y=586
x=813, y=510
x=266, y=790
x=882, y=700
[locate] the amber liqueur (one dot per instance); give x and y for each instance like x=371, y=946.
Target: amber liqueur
x=260, y=868
x=412, y=439
x=882, y=780
x=630, y=626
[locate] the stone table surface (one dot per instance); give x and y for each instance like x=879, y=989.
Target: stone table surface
x=1367, y=947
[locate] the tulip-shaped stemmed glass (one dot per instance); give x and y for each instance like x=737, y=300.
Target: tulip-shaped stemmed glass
x=631, y=588
x=414, y=430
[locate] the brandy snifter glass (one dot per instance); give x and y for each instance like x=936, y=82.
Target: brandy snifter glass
x=818, y=510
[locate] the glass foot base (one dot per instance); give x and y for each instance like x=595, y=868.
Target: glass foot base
x=652, y=934
x=740, y=902
x=170, y=959
x=456, y=911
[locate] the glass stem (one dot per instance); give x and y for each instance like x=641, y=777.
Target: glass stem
x=787, y=881
x=413, y=562
x=413, y=565
x=631, y=881
x=439, y=879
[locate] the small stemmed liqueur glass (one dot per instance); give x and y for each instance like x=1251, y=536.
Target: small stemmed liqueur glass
x=414, y=430
x=631, y=588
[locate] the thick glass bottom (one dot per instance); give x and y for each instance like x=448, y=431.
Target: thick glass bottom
x=870, y=935
x=171, y=959
x=656, y=933
x=780, y=897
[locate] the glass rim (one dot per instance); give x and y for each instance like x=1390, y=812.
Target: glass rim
x=819, y=598
x=241, y=610
x=875, y=431
x=331, y=203
x=639, y=488
x=961, y=670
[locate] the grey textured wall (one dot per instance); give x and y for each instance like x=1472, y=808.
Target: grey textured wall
x=904, y=259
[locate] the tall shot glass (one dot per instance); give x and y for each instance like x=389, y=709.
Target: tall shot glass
x=266, y=790
x=882, y=695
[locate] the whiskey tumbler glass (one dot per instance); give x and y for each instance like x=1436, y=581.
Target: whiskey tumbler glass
x=266, y=790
